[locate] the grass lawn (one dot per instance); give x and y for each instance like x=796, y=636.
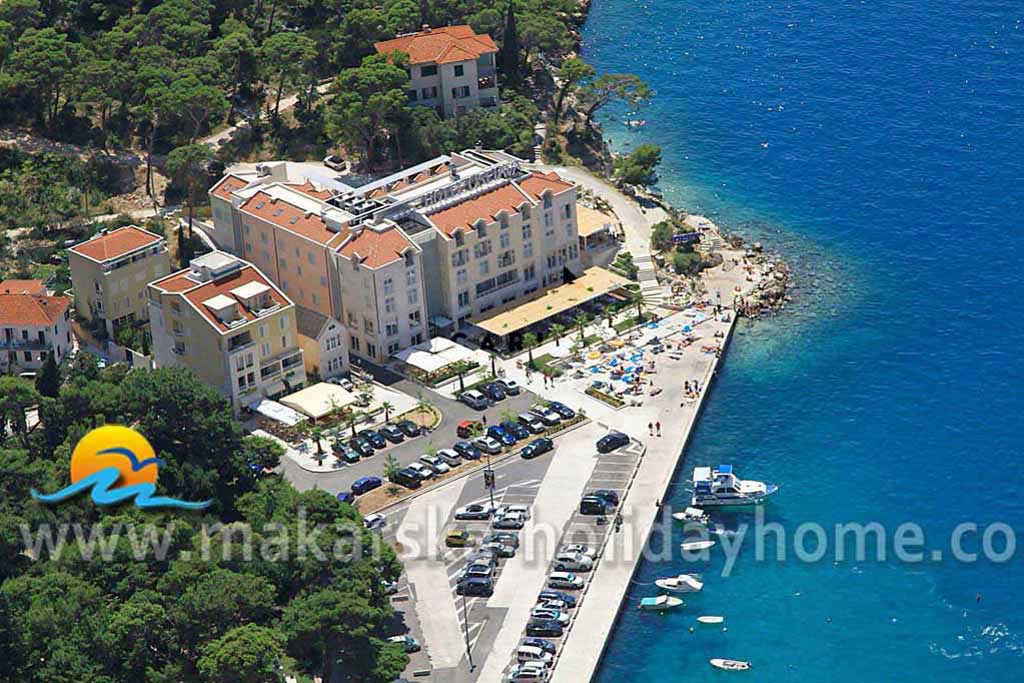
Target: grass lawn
x=544, y=364
x=45, y=272
x=630, y=321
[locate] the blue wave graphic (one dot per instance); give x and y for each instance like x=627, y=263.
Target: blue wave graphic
x=136, y=465
x=100, y=482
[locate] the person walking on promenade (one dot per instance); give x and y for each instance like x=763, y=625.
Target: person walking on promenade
x=650, y=428
x=657, y=425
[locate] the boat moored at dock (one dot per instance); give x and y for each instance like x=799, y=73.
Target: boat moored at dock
x=692, y=514
x=722, y=487
x=659, y=603
x=684, y=583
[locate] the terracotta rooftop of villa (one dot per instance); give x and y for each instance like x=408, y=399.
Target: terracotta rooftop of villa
x=376, y=248
x=309, y=224
x=440, y=45
x=487, y=206
x=538, y=182
x=37, y=287
x=116, y=243
x=31, y=310
x=228, y=184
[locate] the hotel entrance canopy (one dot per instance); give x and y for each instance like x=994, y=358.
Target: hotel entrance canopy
x=592, y=284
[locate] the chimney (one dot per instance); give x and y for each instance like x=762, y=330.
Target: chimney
x=425, y=28
x=479, y=145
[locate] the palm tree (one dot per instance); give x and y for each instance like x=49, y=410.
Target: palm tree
x=529, y=341
x=609, y=313
x=582, y=321
x=509, y=416
x=388, y=406
x=640, y=301
x=557, y=330
x=353, y=418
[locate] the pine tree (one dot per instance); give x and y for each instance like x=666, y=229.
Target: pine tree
x=510, y=47
x=48, y=379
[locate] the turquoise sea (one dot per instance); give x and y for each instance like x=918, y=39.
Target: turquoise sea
x=878, y=145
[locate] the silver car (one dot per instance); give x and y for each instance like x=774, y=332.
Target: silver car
x=435, y=463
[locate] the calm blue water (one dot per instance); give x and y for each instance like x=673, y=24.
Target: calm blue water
x=880, y=147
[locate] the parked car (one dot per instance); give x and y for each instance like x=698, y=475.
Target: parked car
x=344, y=452
x=607, y=495
x=528, y=672
x=374, y=437
x=408, y=643
x=474, y=511
x=476, y=586
x=565, y=581
x=449, y=457
x=592, y=505
x=580, y=549
x=334, y=162
x=375, y=521
x=547, y=416
x=501, y=549
x=478, y=569
x=407, y=478
x=466, y=450
x=550, y=615
x=487, y=445
x=545, y=645
x=527, y=654
x=504, y=537
x=501, y=436
x=421, y=470
x=611, y=441
x=544, y=628
x=483, y=556
x=564, y=411
x=523, y=510
x=475, y=400
x=467, y=428
x=365, y=484
x=516, y=429
x=361, y=446
x=435, y=463
x=556, y=605
x=409, y=428
x=509, y=386
x=569, y=600
x=346, y=497
x=510, y=521
x=532, y=422
x=537, y=447
x=573, y=562
x=392, y=433
x=458, y=538
x=493, y=391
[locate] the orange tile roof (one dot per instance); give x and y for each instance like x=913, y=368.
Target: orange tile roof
x=228, y=184
x=537, y=182
x=440, y=45
x=307, y=188
x=290, y=217
x=485, y=206
x=22, y=287
x=376, y=249
x=224, y=285
x=175, y=282
x=31, y=309
x=116, y=243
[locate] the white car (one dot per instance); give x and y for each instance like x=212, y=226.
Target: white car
x=550, y=615
x=487, y=445
x=573, y=562
x=523, y=510
x=422, y=471
x=547, y=416
x=557, y=605
x=479, y=569
x=435, y=463
x=509, y=521
x=510, y=386
x=474, y=511
x=532, y=422
x=565, y=581
x=374, y=521
x=529, y=671
x=578, y=549
x=450, y=457
x=334, y=162
x=528, y=654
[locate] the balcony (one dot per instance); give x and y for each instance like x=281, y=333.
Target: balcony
x=489, y=102
x=23, y=345
x=487, y=82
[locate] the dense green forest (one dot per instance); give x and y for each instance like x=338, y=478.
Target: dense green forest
x=178, y=617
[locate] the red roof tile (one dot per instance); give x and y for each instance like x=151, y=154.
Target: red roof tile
x=440, y=45
x=224, y=285
x=376, y=249
x=31, y=309
x=537, y=182
x=307, y=188
x=22, y=287
x=116, y=243
x=486, y=206
x=226, y=185
x=290, y=217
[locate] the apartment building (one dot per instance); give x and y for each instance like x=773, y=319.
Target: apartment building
x=227, y=322
x=109, y=274
x=33, y=326
x=451, y=68
x=324, y=343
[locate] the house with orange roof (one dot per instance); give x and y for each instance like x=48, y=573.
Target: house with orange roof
x=451, y=68
x=231, y=325
x=109, y=274
x=33, y=326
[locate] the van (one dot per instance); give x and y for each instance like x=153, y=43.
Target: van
x=527, y=653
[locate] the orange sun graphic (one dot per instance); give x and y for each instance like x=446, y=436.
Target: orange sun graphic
x=114, y=446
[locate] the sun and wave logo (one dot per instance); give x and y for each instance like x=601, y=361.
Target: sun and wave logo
x=116, y=464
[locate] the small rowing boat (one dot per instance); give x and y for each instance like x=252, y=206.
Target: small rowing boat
x=730, y=664
x=694, y=546
x=710, y=620
x=691, y=514
x=684, y=583
x=660, y=602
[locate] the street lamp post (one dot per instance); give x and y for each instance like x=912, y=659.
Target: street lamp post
x=465, y=626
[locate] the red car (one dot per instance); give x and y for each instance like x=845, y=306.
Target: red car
x=467, y=428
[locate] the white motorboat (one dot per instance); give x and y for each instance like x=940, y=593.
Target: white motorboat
x=684, y=583
x=694, y=546
x=721, y=486
x=730, y=664
x=710, y=620
x=660, y=602
x=692, y=514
